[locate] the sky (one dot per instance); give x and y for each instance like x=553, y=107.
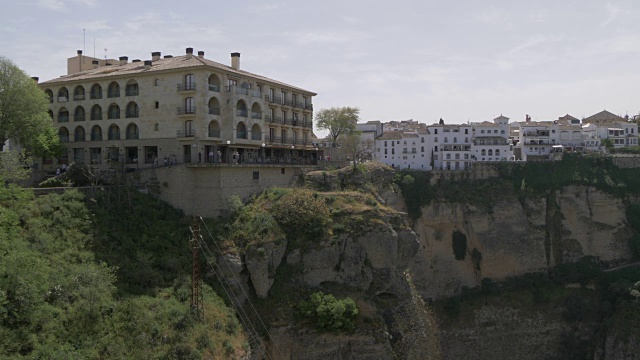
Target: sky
x=395, y=60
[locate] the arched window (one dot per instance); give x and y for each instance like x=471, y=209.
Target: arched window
x=78, y=93
x=63, y=133
x=214, y=83
x=497, y=152
x=63, y=115
x=132, y=132
x=214, y=106
x=189, y=106
x=63, y=95
x=490, y=152
x=189, y=82
x=132, y=88
x=114, y=111
x=114, y=90
x=256, y=133
x=96, y=133
x=78, y=135
x=214, y=129
x=49, y=94
x=241, y=109
x=132, y=110
x=114, y=132
x=96, y=112
x=96, y=91
x=483, y=152
x=78, y=115
x=241, y=131
x=256, y=111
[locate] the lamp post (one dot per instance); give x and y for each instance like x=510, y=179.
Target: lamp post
x=264, y=155
x=228, y=155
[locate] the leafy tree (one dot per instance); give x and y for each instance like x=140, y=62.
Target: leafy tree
x=328, y=312
x=23, y=112
x=357, y=147
x=607, y=143
x=338, y=120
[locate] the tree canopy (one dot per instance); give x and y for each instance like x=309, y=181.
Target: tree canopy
x=338, y=120
x=23, y=112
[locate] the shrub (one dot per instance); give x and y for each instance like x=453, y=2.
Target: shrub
x=328, y=312
x=301, y=214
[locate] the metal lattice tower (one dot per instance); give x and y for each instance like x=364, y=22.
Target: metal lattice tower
x=197, y=305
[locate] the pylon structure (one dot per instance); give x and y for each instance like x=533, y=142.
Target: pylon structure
x=197, y=305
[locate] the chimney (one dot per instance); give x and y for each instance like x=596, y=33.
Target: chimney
x=155, y=56
x=123, y=60
x=235, y=60
x=168, y=56
x=94, y=64
x=189, y=53
x=35, y=78
x=200, y=54
x=79, y=52
x=147, y=64
x=135, y=60
x=527, y=118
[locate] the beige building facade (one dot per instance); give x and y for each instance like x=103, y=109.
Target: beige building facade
x=185, y=109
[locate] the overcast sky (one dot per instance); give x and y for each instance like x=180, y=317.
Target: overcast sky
x=421, y=60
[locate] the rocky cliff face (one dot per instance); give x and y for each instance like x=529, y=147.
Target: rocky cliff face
x=517, y=237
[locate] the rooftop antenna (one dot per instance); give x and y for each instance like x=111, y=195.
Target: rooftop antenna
x=94, y=47
x=105, y=53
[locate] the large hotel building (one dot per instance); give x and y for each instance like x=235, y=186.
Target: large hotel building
x=184, y=108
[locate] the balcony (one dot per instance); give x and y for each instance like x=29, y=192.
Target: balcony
x=308, y=106
x=133, y=136
x=214, y=87
x=214, y=133
x=273, y=99
x=241, y=135
x=308, y=124
x=241, y=113
x=113, y=94
x=186, y=133
x=78, y=117
x=96, y=116
x=186, y=87
x=132, y=114
x=256, y=115
x=78, y=97
x=62, y=99
x=63, y=118
x=242, y=91
x=114, y=136
x=132, y=92
x=267, y=118
x=298, y=104
x=96, y=137
x=96, y=95
x=456, y=148
x=64, y=139
x=214, y=111
x=186, y=110
x=273, y=140
x=257, y=136
x=114, y=115
x=256, y=93
x=78, y=137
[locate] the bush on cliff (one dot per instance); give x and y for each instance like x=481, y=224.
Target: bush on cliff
x=302, y=214
x=329, y=313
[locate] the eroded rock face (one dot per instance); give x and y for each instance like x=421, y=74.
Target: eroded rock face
x=517, y=238
x=262, y=261
x=619, y=348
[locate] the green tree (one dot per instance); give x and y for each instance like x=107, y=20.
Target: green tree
x=23, y=112
x=328, y=312
x=607, y=143
x=338, y=120
x=357, y=147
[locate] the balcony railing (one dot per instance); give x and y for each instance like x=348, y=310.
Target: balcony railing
x=186, y=110
x=62, y=99
x=79, y=117
x=308, y=106
x=214, y=110
x=241, y=113
x=132, y=92
x=277, y=119
x=214, y=133
x=132, y=114
x=299, y=104
x=256, y=93
x=256, y=115
x=78, y=97
x=64, y=138
x=114, y=115
x=257, y=136
x=286, y=102
x=267, y=118
x=133, y=136
x=114, y=136
x=63, y=118
x=186, y=133
x=96, y=116
x=96, y=95
x=186, y=86
x=113, y=93
x=273, y=140
x=308, y=124
x=273, y=99
x=78, y=137
x=241, y=135
x=242, y=91
x=214, y=87
x=96, y=137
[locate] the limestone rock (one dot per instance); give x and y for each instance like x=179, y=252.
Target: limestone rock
x=262, y=261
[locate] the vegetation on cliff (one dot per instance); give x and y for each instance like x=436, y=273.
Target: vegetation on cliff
x=105, y=280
